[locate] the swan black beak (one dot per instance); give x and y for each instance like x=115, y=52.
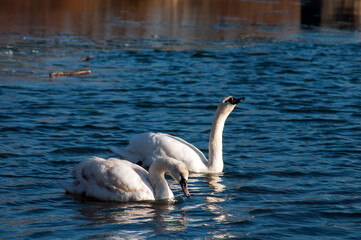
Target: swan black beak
x=184, y=187
x=235, y=100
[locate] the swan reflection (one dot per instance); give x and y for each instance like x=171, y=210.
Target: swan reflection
x=215, y=182
x=214, y=199
x=145, y=217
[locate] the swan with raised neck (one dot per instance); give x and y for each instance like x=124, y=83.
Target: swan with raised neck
x=144, y=148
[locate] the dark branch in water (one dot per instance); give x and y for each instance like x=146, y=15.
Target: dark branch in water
x=87, y=58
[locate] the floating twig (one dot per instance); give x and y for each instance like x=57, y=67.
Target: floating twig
x=58, y=74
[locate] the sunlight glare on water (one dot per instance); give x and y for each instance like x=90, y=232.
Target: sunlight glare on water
x=291, y=149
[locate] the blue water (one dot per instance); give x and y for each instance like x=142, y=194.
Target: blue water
x=292, y=149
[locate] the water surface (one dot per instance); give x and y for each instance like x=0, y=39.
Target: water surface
x=291, y=149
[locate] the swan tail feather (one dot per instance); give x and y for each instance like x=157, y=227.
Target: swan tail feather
x=128, y=155
x=117, y=151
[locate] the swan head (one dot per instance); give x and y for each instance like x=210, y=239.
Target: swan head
x=177, y=169
x=180, y=173
x=232, y=100
x=229, y=103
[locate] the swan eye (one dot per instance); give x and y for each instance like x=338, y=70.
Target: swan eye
x=229, y=100
x=183, y=179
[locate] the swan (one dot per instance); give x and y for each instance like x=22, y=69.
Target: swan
x=144, y=148
x=123, y=181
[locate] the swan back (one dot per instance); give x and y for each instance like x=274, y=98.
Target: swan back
x=110, y=180
x=145, y=148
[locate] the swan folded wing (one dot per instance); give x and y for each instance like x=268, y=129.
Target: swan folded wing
x=130, y=179
x=191, y=146
x=113, y=180
x=181, y=150
x=145, y=148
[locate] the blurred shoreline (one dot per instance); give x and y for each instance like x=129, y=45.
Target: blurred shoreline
x=201, y=20
x=108, y=20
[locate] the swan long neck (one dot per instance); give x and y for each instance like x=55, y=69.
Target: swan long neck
x=157, y=180
x=215, y=161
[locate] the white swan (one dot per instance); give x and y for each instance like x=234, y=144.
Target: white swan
x=123, y=181
x=144, y=148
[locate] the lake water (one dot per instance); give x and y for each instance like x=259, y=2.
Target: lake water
x=292, y=149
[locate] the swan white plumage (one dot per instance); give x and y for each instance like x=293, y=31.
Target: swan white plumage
x=144, y=148
x=123, y=181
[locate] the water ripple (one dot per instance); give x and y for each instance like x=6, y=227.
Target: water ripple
x=291, y=149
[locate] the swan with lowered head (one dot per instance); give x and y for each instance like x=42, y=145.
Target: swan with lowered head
x=123, y=181
x=144, y=148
